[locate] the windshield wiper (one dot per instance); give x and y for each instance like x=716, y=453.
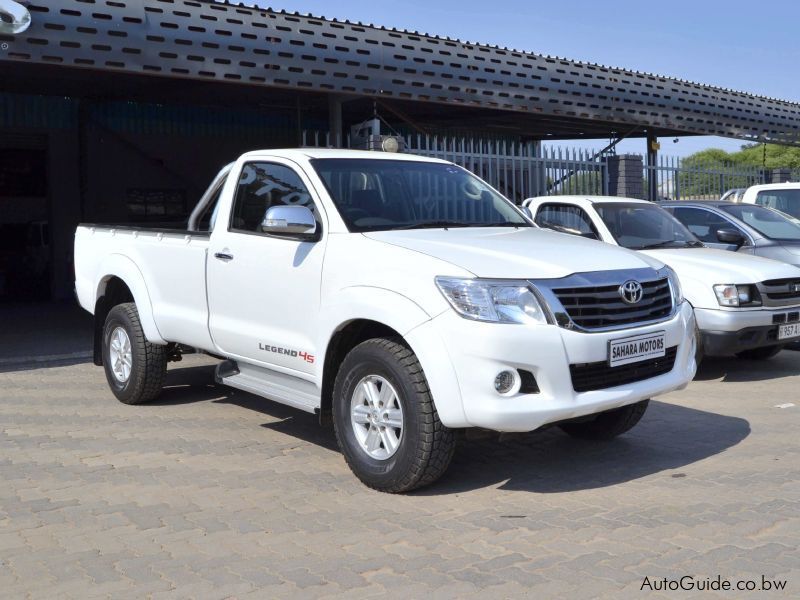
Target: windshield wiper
x=432, y=225
x=663, y=244
x=503, y=224
x=448, y=224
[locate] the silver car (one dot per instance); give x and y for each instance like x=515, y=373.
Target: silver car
x=741, y=228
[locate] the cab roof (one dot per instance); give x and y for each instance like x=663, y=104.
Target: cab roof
x=589, y=200
x=319, y=153
x=790, y=185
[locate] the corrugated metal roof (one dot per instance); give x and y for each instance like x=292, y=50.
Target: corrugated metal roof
x=494, y=46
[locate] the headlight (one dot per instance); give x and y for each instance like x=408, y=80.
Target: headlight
x=675, y=286
x=492, y=301
x=729, y=294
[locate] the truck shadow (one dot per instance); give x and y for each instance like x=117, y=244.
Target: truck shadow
x=732, y=369
x=188, y=385
x=547, y=461
x=668, y=437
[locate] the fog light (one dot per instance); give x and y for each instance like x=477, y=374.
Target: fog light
x=504, y=382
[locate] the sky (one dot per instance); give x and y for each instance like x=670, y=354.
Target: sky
x=744, y=46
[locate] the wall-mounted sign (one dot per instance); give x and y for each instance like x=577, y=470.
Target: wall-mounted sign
x=14, y=18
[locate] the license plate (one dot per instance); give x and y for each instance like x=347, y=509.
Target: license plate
x=792, y=330
x=636, y=348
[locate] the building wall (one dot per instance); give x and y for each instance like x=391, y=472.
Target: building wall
x=100, y=156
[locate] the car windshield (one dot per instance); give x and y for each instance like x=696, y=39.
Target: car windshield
x=771, y=224
x=640, y=226
x=785, y=200
x=386, y=194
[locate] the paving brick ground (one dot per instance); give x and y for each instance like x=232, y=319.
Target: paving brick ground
x=213, y=493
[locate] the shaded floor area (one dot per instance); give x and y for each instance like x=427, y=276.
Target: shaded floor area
x=43, y=332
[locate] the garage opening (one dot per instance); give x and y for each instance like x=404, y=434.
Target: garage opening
x=25, y=238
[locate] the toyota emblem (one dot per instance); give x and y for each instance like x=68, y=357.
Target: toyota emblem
x=631, y=292
x=794, y=287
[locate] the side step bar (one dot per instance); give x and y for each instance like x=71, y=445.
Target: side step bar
x=283, y=388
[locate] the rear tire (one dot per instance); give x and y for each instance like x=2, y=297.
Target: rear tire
x=385, y=420
x=760, y=353
x=135, y=368
x=607, y=425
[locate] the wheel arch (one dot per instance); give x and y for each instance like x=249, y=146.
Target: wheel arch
x=346, y=337
x=122, y=281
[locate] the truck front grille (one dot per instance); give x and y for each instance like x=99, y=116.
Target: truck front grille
x=602, y=306
x=599, y=376
x=781, y=289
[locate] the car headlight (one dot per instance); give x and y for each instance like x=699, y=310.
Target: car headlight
x=492, y=301
x=675, y=286
x=729, y=294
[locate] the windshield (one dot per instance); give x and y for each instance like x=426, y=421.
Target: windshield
x=643, y=226
x=380, y=195
x=787, y=201
x=769, y=223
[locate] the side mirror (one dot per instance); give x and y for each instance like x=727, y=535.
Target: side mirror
x=295, y=222
x=730, y=236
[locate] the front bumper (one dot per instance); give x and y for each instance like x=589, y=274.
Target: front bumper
x=461, y=359
x=728, y=332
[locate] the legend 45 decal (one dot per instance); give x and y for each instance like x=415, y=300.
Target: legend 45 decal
x=309, y=358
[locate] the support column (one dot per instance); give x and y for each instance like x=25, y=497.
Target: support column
x=335, y=121
x=65, y=208
x=652, y=163
x=625, y=176
x=781, y=175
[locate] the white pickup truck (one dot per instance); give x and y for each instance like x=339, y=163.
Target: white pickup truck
x=400, y=297
x=784, y=197
x=744, y=305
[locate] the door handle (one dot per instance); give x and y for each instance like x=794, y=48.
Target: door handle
x=225, y=256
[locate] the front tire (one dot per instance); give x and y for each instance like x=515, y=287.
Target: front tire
x=385, y=420
x=700, y=351
x=135, y=368
x=607, y=425
x=760, y=353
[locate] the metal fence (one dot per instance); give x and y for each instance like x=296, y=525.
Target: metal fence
x=521, y=170
x=517, y=169
x=685, y=179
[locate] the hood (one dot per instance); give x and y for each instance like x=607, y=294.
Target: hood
x=526, y=253
x=722, y=266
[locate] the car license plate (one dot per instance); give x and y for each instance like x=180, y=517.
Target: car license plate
x=792, y=330
x=636, y=348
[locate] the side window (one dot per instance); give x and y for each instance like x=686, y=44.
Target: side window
x=703, y=223
x=562, y=217
x=262, y=186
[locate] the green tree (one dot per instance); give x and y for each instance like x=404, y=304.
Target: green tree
x=751, y=155
x=708, y=173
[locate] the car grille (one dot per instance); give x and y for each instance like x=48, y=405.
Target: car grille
x=781, y=289
x=601, y=306
x=599, y=376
